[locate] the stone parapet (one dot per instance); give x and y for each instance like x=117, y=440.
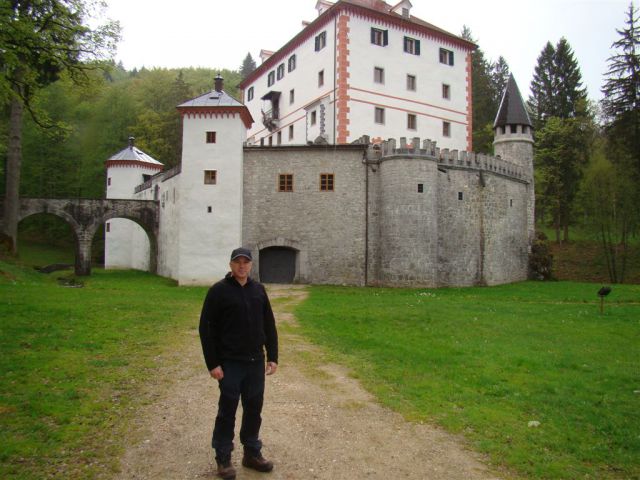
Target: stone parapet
x=428, y=150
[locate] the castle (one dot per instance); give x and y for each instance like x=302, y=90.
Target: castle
x=326, y=207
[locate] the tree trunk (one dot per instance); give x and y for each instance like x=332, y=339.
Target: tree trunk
x=14, y=161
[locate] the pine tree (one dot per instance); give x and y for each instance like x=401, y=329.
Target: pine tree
x=557, y=85
x=569, y=93
x=500, y=77
x=621, y=103
x=486, y=94
x=542, y=86
x=248, y=66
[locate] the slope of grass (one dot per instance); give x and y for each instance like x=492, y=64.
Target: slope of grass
x=485, y=362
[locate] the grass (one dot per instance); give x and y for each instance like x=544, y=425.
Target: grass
x=484, y=362
x=75, y=360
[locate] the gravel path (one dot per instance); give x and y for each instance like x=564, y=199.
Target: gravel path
x=318, y=423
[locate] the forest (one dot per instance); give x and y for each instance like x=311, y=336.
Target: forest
x=71, y=113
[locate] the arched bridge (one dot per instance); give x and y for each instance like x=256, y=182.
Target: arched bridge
x=85, y=217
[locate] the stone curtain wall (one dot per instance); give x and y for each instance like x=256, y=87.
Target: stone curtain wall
x=431, y=238
x=326, y=228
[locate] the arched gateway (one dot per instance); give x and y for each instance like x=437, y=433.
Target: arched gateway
x=85, y=216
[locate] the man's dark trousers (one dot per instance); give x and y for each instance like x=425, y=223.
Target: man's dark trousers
x=242, y=380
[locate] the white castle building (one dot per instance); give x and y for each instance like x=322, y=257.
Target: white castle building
x=363, y=67
x=299, y=172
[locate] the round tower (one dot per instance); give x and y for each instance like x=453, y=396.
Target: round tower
x=126, y=244
x=513, y=142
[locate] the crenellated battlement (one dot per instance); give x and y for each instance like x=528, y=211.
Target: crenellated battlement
x=428, y=150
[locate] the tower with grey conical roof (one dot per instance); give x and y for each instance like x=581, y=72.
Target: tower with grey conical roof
x=513, y=141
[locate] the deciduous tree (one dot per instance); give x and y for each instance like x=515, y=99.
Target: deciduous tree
x=39, y=41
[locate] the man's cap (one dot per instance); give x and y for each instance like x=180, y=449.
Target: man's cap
x=241, y=252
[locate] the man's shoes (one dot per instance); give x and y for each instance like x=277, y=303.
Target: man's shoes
x=226, y=470
x=257, y=463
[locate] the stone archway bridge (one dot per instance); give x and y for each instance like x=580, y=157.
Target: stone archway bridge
x=85, y=217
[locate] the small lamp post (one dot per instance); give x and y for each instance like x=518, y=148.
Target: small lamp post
x=603, y=292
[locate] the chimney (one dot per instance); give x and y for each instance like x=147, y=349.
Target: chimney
x=219, y=83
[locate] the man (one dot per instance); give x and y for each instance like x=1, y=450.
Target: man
x=236, y=327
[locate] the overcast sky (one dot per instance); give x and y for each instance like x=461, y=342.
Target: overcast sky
x=219, y=33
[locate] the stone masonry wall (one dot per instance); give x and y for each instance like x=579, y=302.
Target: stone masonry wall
x=327, y=228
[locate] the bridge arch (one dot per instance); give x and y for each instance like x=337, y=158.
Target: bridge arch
x=85, y=217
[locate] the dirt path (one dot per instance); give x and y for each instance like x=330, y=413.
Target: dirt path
x=318, y=423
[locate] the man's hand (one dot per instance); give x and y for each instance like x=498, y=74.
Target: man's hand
x=217, y=373
x=271, y=368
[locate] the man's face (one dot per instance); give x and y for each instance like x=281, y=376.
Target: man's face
x=240, y=268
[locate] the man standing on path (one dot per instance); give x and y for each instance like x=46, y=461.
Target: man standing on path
x=236, y=327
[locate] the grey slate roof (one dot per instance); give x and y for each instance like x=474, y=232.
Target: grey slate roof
x=512, y=110
x=212, y=99
x=135, y=154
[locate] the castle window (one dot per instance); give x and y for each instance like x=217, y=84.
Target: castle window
x=292, y=96
x=379, y=37
x=514, y=128
x=421, y=188
x=314, y=117
x=280, y=71
x=412, y=121
x=379, y=115
x=446, y=91
x=378, y=74
x=209, y=209
x=446, y=129
x=446, y=56
x=250, y=94
x=511, y=202
x=285, y=182
x=109, y=182
x=279, y=138
x=321, y=41
x=321, y=78
x=271, y=78
x=211, y=137
x=291, y=63
x=459, y=195
x=210, y=177
x=411, y=83
x=326, y=182
x=270, y=140
x=412, y=46
x=290, y=132
x=108, y=227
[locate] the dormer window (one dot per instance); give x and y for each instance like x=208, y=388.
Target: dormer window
x=403, y=8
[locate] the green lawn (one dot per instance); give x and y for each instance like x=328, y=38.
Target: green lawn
x=484, y=362
x=74, y=361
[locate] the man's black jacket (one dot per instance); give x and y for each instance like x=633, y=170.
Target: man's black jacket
x=237, y=323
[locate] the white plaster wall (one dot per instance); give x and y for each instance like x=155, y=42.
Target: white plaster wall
x=126, y=243
x=169, y=231
x=206, y=239
x=426, y=101
x=304, y=81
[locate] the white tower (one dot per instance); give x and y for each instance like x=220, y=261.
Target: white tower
x=126, y=244
x=210, y=225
